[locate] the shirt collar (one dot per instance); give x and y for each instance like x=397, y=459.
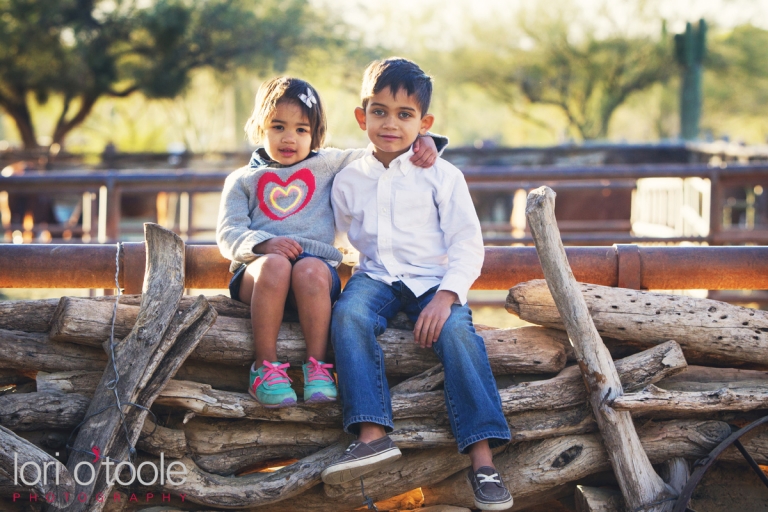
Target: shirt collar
x=402, y=162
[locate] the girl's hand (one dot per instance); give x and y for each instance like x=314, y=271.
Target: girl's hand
x=282, y=245
x=424, y=152
x=433, y=317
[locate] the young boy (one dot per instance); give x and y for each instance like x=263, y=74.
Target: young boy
x=420, y=251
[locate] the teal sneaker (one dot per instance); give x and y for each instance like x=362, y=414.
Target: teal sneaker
x=319, y=385
x=270, y=385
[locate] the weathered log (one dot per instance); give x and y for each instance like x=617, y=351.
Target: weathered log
x=33, y=411
x=207, y=436
x=536, y=466
x=205, y=401
x=156, y=439
x=84, y=382
x=35, y=352
x=21, y=461
x=230, y=462
x=27, y=315
x=256, y=489
x=132, y=358
x=599, y=499
x=229, y=341
x=676, y=473
x=723, y=331
x=703, y=378
x=654, y=399
x=639, y=483
x=428, y=380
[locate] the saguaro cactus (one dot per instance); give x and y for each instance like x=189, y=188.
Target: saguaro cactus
x=690, y=49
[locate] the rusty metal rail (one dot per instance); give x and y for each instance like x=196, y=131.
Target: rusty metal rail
x=113, y=184
x=629, y=266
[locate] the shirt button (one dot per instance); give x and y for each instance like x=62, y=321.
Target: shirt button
x=383, y=210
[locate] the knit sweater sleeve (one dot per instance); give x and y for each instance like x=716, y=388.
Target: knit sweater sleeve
x=233, y=234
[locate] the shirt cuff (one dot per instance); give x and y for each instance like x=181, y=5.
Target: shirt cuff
x=456, y=285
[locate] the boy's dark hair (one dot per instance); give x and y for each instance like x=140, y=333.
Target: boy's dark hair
x=397, y=73
x=287, y=89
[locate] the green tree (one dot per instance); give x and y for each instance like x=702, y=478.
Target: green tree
x=83, y=50
x=736, y=72
x=586, y=76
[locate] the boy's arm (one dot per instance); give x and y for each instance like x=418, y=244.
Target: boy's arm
x=463, y=236
x=233, y=234
x=461, y=228
x=340, y=158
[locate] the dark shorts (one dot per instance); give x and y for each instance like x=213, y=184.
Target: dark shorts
x=237, y=279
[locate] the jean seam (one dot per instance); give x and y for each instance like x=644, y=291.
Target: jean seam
x=384, y=306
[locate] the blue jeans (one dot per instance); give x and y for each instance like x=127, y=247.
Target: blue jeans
x=471, y=397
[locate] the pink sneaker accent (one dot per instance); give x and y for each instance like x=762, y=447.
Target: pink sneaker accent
x=317, y=371
x=275, y=374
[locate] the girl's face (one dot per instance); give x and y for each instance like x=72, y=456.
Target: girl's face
x=287, y=134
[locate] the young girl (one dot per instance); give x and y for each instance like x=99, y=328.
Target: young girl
x=276, y=225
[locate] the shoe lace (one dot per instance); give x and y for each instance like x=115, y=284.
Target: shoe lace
x=275, y=373
x=485, y=479
x=318, y=371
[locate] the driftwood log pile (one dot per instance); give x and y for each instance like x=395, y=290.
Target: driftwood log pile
x=579, y=416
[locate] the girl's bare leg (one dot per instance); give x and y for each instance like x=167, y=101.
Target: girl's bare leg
x=311, y=283
x=265, y=287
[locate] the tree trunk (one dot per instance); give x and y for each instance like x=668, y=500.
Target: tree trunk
x=723, y=332
x=637, y=479
x=510, y=351
x=23, y=120
x=534, y=467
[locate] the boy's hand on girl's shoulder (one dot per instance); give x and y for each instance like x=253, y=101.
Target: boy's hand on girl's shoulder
x=424, y=152
x=433, y=317
x=282, y=245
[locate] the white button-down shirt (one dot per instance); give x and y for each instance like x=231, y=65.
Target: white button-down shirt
x=414, y=225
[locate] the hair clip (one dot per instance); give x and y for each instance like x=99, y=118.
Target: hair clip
x=308, y=98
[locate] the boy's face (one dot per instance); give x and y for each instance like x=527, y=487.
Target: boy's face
x=392, y=123
x=287, y=134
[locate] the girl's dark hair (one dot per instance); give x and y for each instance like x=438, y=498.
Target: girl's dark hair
x=397, y=73
x=286, y=89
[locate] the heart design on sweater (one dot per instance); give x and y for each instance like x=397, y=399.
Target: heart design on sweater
x=280, y=199
x=293, y=189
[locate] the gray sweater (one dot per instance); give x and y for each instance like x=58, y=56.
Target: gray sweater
x=265, y=199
